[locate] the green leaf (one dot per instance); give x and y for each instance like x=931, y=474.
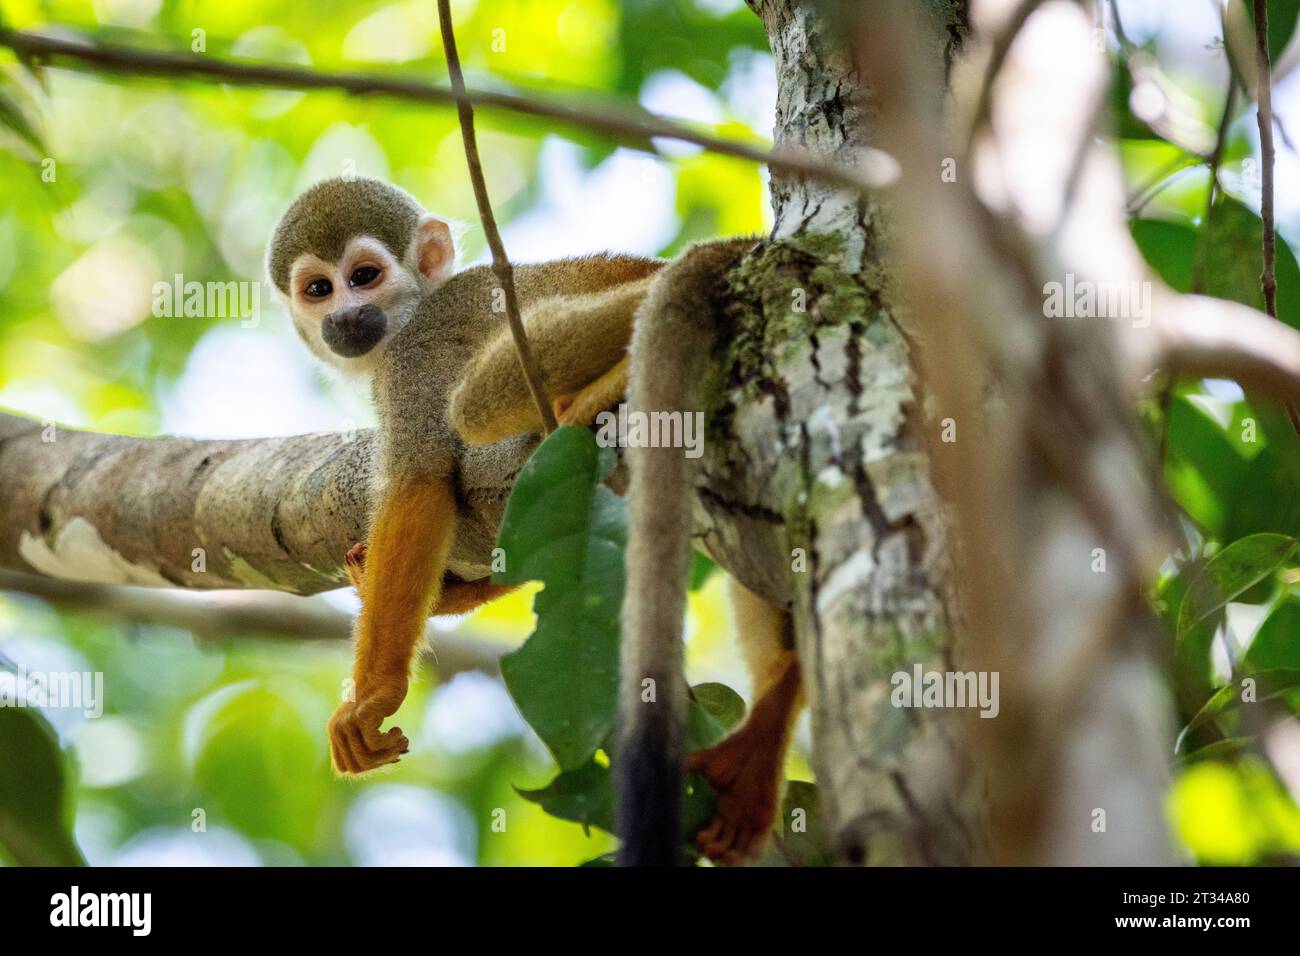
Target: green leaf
x=702, y=569
x=1230, y=572
x=1282, y=16
x=1202, y=467
x=1231, y=248
x=804, y=839
x=562, y=526
x=35, y=812
x=723, y=703
x=1227, y=749
x=1276, y=644
x=1268, y=686
x=1168, y=247
x=584, y=796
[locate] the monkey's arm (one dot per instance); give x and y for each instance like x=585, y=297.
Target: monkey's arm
x=578, y=340
x=410, y=537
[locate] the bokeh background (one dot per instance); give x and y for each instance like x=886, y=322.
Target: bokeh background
x=155, y=179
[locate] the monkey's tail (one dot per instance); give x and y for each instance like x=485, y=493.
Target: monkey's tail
x=672, y=341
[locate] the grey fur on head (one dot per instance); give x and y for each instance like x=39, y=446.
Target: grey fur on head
x=327, y=215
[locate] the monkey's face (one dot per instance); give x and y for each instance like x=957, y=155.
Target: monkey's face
x=348, y=309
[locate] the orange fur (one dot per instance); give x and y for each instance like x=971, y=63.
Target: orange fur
x=410, y=537
x=582, y=407
x=745, y=769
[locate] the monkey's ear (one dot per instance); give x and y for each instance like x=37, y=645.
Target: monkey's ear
x=435, y=253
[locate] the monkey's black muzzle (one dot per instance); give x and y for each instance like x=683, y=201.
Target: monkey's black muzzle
x=354, y=332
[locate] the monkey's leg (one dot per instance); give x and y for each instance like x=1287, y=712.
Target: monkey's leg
x=576, y=339
x=582, y=407
x=458, y=597
x=410, y=538
x=745, y=769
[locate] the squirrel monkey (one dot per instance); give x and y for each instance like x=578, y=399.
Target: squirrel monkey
x=368, y=278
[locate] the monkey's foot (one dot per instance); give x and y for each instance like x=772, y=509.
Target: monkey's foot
x=356, y=743
x=355, y=562
x=745, y=772
x=582, y=407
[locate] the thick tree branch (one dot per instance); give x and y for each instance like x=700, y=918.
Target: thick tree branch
x=275, y=513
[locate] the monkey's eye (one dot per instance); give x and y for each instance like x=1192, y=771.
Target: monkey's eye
x=362, y=276
x=319, y=288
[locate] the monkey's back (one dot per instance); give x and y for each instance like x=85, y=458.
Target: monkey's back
x=425, y=361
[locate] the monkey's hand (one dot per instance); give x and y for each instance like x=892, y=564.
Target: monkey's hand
x=355, y=562
x=356, y=743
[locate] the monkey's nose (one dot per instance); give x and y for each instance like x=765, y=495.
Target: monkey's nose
x=354, y=332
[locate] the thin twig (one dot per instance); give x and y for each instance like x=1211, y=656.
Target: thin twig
x=1268, y=157
x=500, y=262
x=1124, y=42
x=1267, y=279
x=628, y=126
x=1214, y=162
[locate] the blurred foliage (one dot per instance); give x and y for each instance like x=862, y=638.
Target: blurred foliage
x=215, y=752
x=1230, y=595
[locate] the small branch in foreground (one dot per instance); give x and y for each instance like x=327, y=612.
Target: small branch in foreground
x=1267, y=279
x=505, y=272
x=632, y=128
x=252, y=614
x=1268, y=158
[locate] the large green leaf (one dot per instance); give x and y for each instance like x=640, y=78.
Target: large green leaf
x=35, y=812
x=1233, y=570
x=563, y=527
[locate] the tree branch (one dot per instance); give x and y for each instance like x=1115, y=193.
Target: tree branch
x=505, y=273
x=632, y=128
x=252, y=613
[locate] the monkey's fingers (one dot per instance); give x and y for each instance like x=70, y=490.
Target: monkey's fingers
x=355, y=562
x=356, y=743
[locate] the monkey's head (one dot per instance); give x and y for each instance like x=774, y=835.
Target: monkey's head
x=351, y=258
